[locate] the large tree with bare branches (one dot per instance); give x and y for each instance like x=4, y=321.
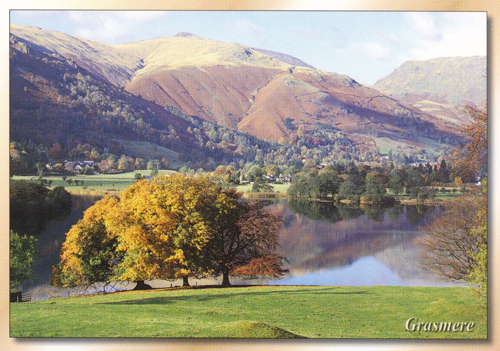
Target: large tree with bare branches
x=450, y=240
x=455, y=243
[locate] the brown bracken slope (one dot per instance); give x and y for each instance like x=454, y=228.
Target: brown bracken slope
x=243, y=88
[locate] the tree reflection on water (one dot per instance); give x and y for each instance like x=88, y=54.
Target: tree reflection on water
x=324, y=236
x=335, y=212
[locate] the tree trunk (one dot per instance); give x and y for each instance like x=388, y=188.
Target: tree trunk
x=225, y=278
x=142, y=286
x=185, y=281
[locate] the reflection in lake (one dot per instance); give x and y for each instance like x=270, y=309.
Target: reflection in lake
x=364, y=271
x=342, y=244
x=325, y=244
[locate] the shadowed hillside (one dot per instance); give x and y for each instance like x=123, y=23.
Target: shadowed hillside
x=165, y=91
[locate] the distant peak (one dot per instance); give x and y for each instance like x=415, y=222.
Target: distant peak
x=184, y=34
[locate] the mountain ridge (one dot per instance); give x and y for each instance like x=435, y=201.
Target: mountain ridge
x=242, y=88
x=440, y=86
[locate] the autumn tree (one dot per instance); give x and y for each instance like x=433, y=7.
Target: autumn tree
x=450, y=240
x=176, y=226
x=55, y=151
x=478, y=273
x=90, y=252
x=266, y=265
x=169, y=227
x=164, y=163
x=140, y=163
x=471, y=155
x=94, y=154
x=111, y=162
x=272, y=171
x=245, y=240
x=124, y=163
x=164, y=225
x=455, y=244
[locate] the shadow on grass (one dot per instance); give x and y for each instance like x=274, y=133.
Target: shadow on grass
x=201, y=297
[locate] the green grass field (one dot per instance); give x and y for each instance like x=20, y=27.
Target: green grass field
x=97, y=182
x=117, y=182
x=278, y=188
x=253, y=312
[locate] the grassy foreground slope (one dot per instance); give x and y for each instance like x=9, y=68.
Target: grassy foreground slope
x=253, y=312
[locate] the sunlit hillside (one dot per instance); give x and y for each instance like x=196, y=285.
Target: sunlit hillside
x=175, y=84
x=439, y=86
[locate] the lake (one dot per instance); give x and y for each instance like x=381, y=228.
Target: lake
x=340, y=244
x=324, y=244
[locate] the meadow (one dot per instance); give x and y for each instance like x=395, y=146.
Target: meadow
x=255, y=312
x=94, y=183
x=116, y=182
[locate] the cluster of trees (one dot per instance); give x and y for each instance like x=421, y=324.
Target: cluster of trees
x=22, y=257
x=364, y=183
x=109, y=163
x=314, y=184
x=27, y=157
x=32, y=206
x=169, y=227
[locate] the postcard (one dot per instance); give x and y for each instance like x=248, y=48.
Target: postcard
x=248, y=175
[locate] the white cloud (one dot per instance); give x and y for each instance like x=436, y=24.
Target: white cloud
x=376, y=51
x=425, y=25
x=367, y=52
x=338, y=37
x=142, y=16
x=245, y=27
x=310, y=34
x=248, y=29
x=79, y=17
x=113, y=27
x=461, y=34
x=26, y=14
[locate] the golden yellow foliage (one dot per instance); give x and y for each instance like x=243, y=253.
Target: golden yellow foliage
x=168, y=227
x=164, y=225
x=89, y=252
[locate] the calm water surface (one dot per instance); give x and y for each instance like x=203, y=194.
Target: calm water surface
x=329, y=244
x=324, y=244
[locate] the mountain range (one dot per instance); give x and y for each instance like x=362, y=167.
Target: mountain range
x=66, y=89
x=439, y=86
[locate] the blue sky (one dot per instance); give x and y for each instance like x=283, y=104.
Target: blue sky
x=363, y=45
